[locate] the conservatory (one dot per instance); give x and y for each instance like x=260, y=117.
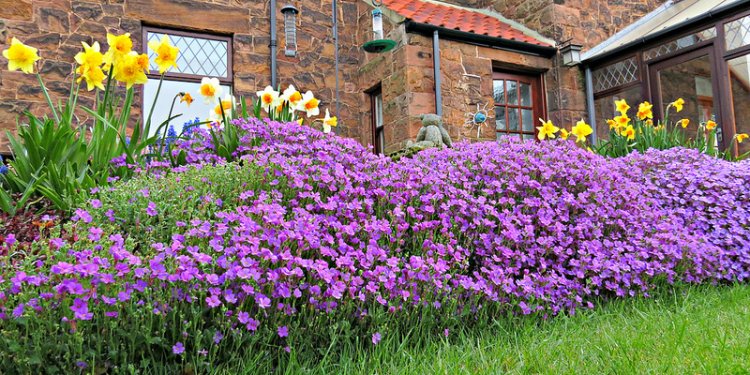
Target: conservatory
x=698, y=50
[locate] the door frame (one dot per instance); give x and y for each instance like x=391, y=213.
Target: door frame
x=655, y=93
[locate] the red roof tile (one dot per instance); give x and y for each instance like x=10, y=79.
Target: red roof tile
x=458, y=18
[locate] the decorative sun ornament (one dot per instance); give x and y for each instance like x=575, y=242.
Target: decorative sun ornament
x=477, y=118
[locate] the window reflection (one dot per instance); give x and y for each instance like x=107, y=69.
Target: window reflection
x=739, y=72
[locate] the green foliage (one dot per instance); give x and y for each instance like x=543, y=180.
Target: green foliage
x=640, y=134
x=195, y=193
x=61, y=159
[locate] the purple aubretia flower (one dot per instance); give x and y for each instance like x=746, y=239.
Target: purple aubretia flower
x=376, y=338
x=218, y=336
x=283, y=331
x=80, y=309
x=178, y=348
x=151, y=209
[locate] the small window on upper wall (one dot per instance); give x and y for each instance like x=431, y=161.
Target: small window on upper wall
x=378, y=137
x=200, y=55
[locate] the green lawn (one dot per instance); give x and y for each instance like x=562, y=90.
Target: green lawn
x=693, y=330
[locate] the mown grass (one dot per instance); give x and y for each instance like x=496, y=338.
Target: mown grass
x=688, y=330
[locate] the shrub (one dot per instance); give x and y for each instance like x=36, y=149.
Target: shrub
x=316, y=240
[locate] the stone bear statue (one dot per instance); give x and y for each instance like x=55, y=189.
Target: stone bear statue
x=432, y=133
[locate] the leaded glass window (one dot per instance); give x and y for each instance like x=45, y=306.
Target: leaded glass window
x=615, y=75
x=204, y=56
x=200, y=55
x=737, y=33
x=678, y=44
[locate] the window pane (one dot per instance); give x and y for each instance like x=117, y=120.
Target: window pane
x=379, y=111
x=197, y=56
x=617, y=74
x=692, y=82
x=737, y=33
x=512, y=92
x=169, y=89
x=739, y=71
x=527, y=116
x=529, y=136
x=499, y=91
x=514, y=123
x=525, y=94
x=681, y=43
x=500, y=119
x=381, y=140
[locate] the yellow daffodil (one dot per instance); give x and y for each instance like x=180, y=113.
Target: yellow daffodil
x=210, y=90
x=119, y=47
x=269, y=98
x=226, y=106
x=547, y=130
x=300, y=120
x=684, y=123
x=129, y=71
x=612, y=124
x=90, y=56
x=185, y=97
x=628, y=133
x=710, y=125
x=581, y=130
x=644, y=111
x=93, y=75
x=292, y=96
x=564, y=134
x=622, y=121
x=650, y=122
x=143, y=61
x=20, y=56
x=329, y=122
x=166, y=54
x=309, y=104
x=622, y=106
x=742, y=137
x=677, y=104
x=89, y=66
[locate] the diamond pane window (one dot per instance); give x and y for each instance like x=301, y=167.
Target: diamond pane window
x=200, y=55
x=204, y=56
x=737, y=33
x=617, y=74
x=678, y=44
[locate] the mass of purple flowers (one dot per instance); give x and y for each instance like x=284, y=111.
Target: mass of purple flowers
x=521, y=227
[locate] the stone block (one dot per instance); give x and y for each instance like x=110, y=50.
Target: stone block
x=16, y=10
x=193, y=14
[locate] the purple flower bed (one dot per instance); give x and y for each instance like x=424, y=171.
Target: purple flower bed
x=312, y=228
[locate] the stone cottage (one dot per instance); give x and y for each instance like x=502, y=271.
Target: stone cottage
x=515, y=60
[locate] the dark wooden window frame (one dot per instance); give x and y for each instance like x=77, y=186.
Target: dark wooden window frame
x=373, y=93
x=537, y=99
x=185, y=77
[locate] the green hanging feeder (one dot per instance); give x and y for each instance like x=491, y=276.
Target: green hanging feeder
x=379, y=44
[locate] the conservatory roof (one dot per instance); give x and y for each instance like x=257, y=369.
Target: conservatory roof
x=669, y=16
x=470, y=20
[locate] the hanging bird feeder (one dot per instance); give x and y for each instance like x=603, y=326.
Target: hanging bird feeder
x=290, y=30
x=379, y=44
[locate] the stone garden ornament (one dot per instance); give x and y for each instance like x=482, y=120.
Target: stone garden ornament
x=432, y=133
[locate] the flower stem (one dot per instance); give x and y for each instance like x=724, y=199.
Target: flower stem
x=46, y=97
